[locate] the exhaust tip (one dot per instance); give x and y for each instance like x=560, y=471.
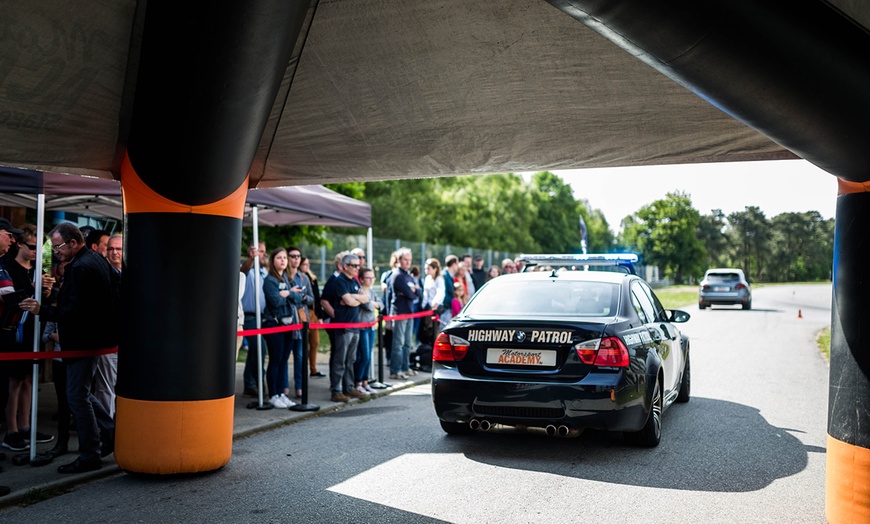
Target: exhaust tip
x=564, y=431
x=485, y=425
x=474, y=424
x=551, y=430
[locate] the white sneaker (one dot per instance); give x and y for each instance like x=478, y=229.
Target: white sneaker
x=362, y=390
x=369, y=389
x=287, y=402
x=278, y=402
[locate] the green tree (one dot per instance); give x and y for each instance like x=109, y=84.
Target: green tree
x=749, y=232
x=801, y=247
x=665, y=232
x=711, y=233
x=599, y=237
x=555, y=226
x=493, y=211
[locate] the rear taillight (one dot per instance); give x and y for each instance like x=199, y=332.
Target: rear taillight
x=739, y=286
x=605, y=352
x=706, y=288
x=449, y=348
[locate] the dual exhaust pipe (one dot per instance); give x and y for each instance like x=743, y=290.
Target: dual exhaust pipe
x=479, y=424
x=562, y=431
x=552, y=431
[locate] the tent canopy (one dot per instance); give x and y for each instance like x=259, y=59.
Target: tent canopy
x=376, y=90
x=308, y=205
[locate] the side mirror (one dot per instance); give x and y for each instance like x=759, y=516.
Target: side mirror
x=677, y=316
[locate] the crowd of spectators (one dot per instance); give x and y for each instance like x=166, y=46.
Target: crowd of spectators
x=290, y=292
x=79, y=292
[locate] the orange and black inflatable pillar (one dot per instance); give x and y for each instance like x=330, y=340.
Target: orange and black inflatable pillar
x=848, y=451
x=207, y=80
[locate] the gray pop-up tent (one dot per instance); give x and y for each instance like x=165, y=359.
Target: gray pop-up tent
x=300, y=205
x=278, y=206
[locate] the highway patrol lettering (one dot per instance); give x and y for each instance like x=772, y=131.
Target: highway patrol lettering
x=551, y=337
x=507, y=335
x=491, y=335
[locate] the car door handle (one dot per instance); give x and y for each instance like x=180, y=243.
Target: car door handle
x=656, y=336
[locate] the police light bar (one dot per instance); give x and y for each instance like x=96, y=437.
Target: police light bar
x=609, y=259
x=623, y=260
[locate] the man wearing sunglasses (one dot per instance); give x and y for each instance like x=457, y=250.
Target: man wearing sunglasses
x=347, y=297
x=87, y=316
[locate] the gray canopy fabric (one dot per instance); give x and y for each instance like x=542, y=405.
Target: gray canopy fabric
x=309, y=205
x=376, y=90
x=299, y=205
x=76, y=194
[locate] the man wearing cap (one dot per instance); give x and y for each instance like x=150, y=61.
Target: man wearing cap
x=86, y=314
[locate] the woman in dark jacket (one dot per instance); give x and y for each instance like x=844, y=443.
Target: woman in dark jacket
x=282, y=303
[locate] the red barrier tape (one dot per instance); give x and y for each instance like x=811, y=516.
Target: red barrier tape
x=45, y=355
x=332, y=325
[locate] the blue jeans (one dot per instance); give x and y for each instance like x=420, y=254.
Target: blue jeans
x=341, y=360
x=91, y=417
x=280, y=348
x=403, y=337
x=249, y=375
x=296, y=351
x=364, y=355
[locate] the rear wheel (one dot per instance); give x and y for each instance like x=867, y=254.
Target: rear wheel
x=702, y=305
x=455, y=428
x=651, y=434
x=686, y=383
x=747, y=305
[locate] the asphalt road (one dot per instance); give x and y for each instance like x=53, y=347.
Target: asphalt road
x=748, y=447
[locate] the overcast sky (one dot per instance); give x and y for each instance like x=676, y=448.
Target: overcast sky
x=775, y=186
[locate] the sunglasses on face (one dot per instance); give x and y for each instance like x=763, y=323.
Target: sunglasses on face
x=352, y=265
x=31, y=247
x=297, y=255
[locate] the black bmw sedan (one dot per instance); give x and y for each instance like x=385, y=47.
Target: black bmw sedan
x=562, y=348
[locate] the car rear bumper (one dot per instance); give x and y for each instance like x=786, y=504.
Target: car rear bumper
x=598, y=403
x=723, y=298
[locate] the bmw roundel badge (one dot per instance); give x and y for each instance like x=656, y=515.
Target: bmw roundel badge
x=520, y=336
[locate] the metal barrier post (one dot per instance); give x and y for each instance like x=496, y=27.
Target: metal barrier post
x=304, y=405
x=380, y=383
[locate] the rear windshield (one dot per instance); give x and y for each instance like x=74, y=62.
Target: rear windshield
x=545, y=298
x=723, y=277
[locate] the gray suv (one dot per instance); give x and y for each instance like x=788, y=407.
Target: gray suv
x=726, y=286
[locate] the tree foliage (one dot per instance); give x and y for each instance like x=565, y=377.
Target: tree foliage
x=501, y=211
x=666, y=233
x=505, y=212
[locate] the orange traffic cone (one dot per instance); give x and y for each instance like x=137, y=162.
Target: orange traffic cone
x=799, y=314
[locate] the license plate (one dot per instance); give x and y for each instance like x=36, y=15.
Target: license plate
x=721, y=289
x=520, y=357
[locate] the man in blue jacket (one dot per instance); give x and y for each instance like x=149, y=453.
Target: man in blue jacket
x=404, y=291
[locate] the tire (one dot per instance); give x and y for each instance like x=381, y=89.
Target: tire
x=455, y=428
x=747, y=305
x=651, y=433
x=686, y=383
x=702, y=305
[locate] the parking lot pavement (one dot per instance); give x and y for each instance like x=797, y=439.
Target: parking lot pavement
x=32, y=483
